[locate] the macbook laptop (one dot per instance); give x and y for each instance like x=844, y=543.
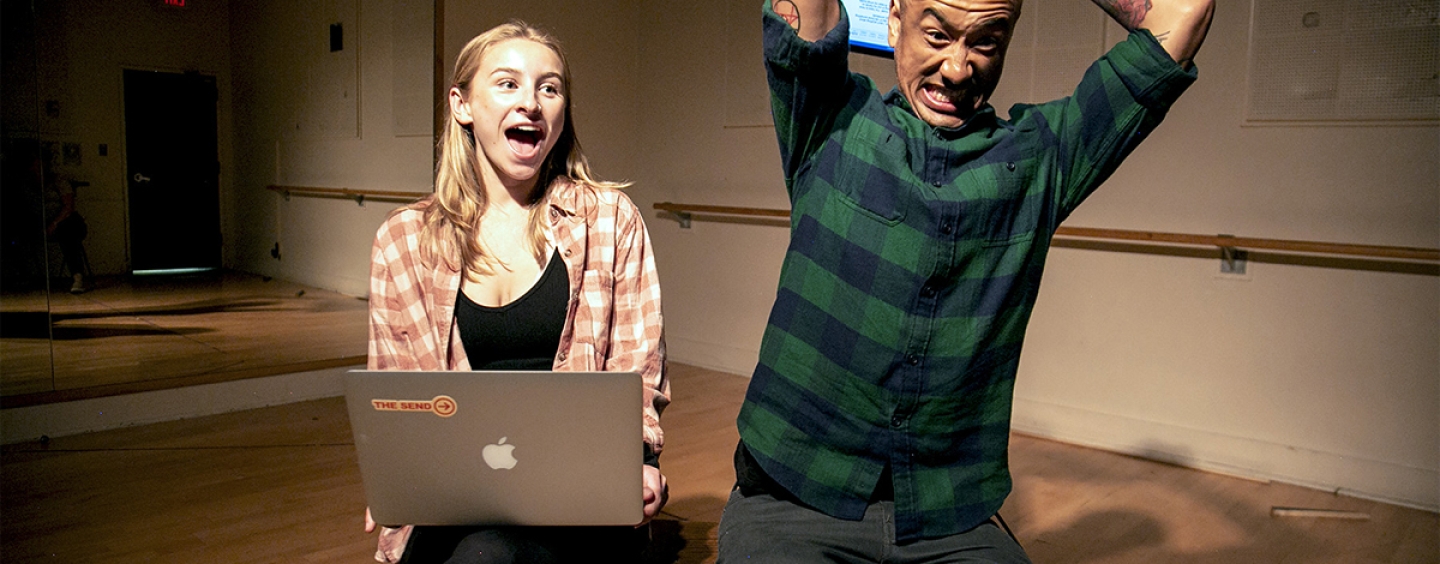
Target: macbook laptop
x=498, y=448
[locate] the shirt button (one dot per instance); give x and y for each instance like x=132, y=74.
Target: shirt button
x=897, y=421
x=562, y=355
x=927, y=290
x=1010, y=167
x=912, y=359
x=567, y=252
x=935, y=183
x=946, y=228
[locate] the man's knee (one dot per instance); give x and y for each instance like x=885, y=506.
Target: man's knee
x=762, y=528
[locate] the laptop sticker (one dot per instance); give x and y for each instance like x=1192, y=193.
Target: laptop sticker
x=444, y=406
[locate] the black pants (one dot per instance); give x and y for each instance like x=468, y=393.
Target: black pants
x=527, y=545
x=70, y=234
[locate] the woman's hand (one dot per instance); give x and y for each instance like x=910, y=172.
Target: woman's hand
x=392, y=539
x=657, y=492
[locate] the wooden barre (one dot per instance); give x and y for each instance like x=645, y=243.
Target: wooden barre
x=724, y=210
x=358, y=195
x=1221, y=241
x=1322, y=513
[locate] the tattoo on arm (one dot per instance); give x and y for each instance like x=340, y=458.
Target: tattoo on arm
x=787, y=11
x=1162, y=36
x=1128, y=12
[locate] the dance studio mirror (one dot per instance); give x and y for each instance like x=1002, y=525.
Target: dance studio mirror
x=129, y=158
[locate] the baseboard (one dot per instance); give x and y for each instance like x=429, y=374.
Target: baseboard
x=100, y=414
x=1236, y=456
x=712, y=356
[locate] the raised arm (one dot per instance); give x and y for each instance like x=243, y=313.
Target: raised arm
x=1179, y=25
x=812, y=19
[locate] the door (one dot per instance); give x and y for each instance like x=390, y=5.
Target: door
x=173, y=170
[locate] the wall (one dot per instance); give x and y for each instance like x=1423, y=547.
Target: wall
x=601, y=46
x=356, y=118
x=1322, y=375
x=350, y=119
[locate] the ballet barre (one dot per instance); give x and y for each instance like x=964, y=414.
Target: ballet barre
x=1227, y=243
x=346, y=193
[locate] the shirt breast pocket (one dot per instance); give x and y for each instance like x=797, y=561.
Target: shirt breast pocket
x=1008, y=211
x=863, y=173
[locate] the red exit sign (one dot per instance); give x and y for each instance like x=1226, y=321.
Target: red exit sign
x=173, y=3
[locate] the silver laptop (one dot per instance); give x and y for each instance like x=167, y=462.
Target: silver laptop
x=498, y=448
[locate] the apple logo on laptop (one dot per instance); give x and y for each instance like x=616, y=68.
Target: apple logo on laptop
x=499, y=456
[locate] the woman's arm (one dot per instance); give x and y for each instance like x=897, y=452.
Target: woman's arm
x=637, y=339
x=637, y=342
x=382, y=353
x=402, y=320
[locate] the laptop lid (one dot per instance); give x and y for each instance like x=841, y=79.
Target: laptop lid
x=498, y=448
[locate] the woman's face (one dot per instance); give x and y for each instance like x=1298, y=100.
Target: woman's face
x=515, y=107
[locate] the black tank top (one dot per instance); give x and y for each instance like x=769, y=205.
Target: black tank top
x=523, y=334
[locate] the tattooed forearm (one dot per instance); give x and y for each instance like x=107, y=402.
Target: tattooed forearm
x=1129, y=13
x=1162, y=36
x=788, y=11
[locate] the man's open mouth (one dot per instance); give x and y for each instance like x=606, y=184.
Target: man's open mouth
x=940, y=100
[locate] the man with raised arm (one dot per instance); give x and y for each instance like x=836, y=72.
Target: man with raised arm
x=877, y=422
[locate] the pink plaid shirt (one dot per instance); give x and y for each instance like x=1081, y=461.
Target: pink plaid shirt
x=614, y=322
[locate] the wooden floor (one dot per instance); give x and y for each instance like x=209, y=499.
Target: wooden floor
x=139, y=334
x=280, y=484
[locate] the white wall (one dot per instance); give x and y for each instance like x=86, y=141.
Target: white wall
x=1309, y=374
x=600, y=42
x=349, y=120
x=306, y=116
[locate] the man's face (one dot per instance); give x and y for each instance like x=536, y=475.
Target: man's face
x=949, y=54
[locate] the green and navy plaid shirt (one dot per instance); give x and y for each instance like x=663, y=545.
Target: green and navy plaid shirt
x=914, y=262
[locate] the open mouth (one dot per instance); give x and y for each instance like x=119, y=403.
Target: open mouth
x=525, y=139
x=940, y=100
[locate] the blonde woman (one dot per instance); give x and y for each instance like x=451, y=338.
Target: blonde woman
x=521, y=259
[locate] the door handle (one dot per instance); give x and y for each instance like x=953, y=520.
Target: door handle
x=140, y=178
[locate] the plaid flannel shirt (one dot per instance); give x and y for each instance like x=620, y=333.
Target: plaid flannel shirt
x=613, y=324
x=913, y=266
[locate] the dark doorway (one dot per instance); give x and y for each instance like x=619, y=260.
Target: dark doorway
x=173, y=170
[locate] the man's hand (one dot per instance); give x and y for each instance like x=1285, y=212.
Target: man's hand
x=657, y=492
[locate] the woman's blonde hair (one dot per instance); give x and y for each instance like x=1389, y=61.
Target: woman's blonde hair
x=452, y=217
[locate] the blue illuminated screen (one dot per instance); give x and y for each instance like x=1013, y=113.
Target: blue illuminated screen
x=869, y=26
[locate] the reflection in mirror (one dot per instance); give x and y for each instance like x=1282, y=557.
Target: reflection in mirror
x=25, y=365
x=139, y=333
x=75, y=320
